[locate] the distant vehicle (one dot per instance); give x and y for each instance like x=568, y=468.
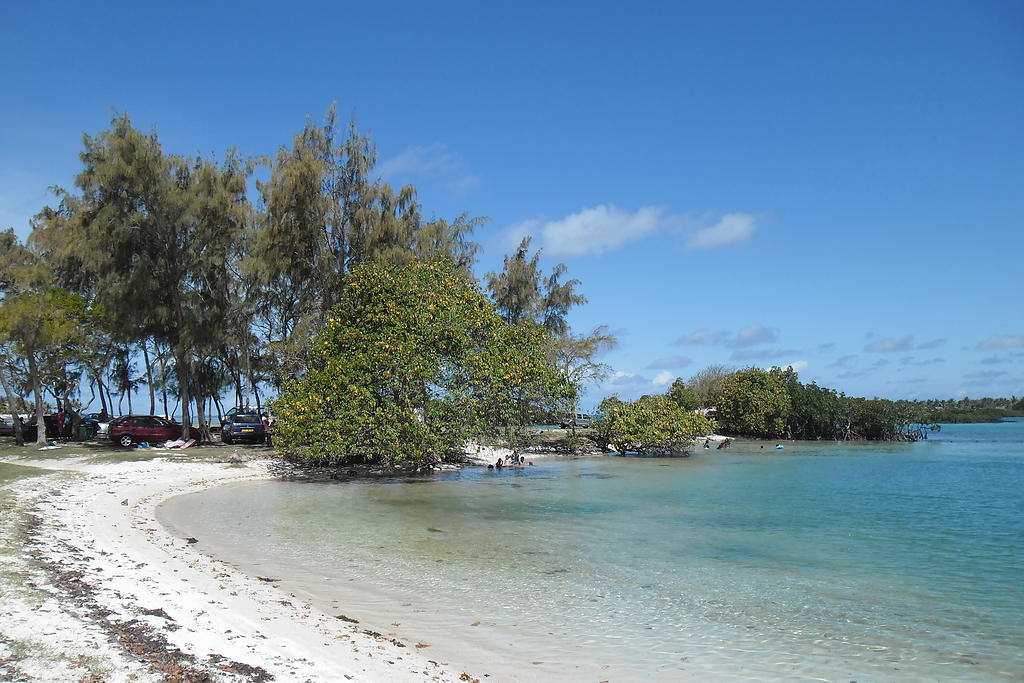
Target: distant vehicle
x=129, y=430
x=579, y=420
x=241, y=424
x=7, y=423
x=99, y=422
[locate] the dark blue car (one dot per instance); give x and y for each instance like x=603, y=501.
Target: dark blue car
x=242, y=424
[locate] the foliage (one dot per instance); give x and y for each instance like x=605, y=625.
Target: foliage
x=683, y=395
x=707, y=385
x=753, y=402
x=967, y=410
x=651, y=425
x=413, y=361
x=521, y=292
x=323, y=214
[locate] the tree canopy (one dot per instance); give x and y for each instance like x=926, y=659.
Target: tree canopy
x=651, y=425
x=413, y=361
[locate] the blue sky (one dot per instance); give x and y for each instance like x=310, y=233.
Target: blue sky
x=834, y=185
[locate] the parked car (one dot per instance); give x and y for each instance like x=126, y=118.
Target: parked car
x=129, y=430
x=30, y=430
x=7, y=423
x=579, y=420
x=101, y=422
x=241, y=424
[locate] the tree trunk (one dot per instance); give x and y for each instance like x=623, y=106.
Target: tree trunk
x=110, y=401
x=19, y=436
x=103, y=398
x=183, y=379
x=201, y=419
x=37, y=389
x=236, y=374
x=247, y=360
x=220, y=409
x=149, y=377
x=163, y=380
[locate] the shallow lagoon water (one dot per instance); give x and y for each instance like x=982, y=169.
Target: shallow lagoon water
x=821, y=561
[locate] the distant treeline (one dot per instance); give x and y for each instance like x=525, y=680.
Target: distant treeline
x=968, y=410
x=776, y=404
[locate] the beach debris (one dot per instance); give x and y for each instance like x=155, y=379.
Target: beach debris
x=124, y=502
x=348, y=619
x=420, y=646
x=466, y=677
x=190, y=540
x=381, y=636
x=435, y=530
x=475, y=623
x=267, y=579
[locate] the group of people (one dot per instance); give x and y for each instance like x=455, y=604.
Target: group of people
x=512, y=461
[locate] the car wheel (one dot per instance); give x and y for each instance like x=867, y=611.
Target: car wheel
x=126, y=440
x=226, y=437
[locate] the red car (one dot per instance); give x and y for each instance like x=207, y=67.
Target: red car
x=132, y=429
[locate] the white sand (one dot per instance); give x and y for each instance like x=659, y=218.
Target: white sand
x=130, y=564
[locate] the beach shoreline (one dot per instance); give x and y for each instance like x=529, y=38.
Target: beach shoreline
x=101, y=588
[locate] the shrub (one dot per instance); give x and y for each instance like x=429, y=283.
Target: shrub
x=651, y=425
x=412, y=363
x=753, y=402
x=683, y=395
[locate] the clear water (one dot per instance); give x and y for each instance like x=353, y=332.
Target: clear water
x=838, y=562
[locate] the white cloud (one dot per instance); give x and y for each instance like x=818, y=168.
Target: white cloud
x=905, y=343
x=663, y=378
x=751, y=335
x=600, y=229
x=703, y=337
x=732, y=228
x=434, y=163
x=1002, y=341
x=606, y=227
x=891, y=345
x=932, y=344
x=757, y=333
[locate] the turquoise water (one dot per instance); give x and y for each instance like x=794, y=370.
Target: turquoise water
x=826, y=561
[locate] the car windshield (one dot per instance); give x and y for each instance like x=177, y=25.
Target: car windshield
x=247, y=417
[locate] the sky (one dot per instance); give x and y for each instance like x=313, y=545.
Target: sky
x=833, y=186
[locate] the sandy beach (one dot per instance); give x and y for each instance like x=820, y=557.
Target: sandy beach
x=96, y=589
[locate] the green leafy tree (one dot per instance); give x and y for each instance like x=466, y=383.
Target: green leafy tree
x=753, y=402
x=413, y=361
x=651, y=425
x=707, y=385
x=683, y=395
x=153, y=232
x=39, y=321
x=322, y=214
x=522, y=293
